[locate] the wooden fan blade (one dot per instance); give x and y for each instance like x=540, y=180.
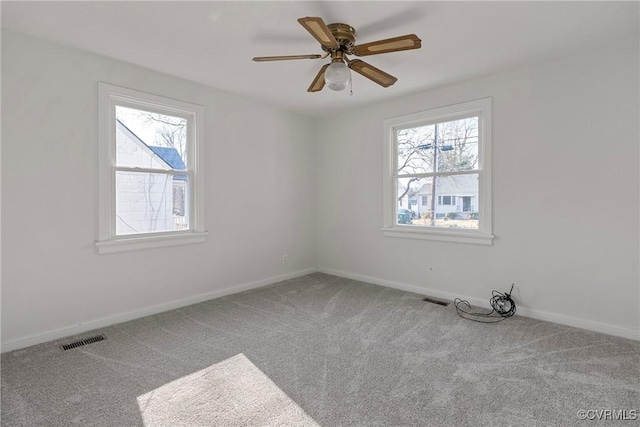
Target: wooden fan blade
x=372, y=73
x=318, y=82
x=318, y=29
x=284, y=58
x=395, y=44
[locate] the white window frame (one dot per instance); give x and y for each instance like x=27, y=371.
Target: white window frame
x=110, y=96
x=481, y=236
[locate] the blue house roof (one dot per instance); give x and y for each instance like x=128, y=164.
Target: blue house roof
x=172, y=158
x=169, y=155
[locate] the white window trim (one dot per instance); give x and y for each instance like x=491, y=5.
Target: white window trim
x=483, y=235
x=108, y=242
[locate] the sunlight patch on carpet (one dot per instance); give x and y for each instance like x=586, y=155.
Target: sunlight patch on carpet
x=233, y=392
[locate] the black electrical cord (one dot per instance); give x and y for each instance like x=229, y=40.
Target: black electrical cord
x=501, y=304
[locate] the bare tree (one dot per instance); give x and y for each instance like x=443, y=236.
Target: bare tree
x=153, y=213
x=411, y=156
x=170, y=131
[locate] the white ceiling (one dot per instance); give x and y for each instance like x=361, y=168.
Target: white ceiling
x=213, y=42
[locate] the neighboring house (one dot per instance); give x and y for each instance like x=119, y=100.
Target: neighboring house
x=179, y=188
x=454, y=194
x=147, y=202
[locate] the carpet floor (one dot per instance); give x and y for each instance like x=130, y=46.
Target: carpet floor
x=331, y=351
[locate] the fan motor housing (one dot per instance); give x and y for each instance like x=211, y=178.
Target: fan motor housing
x=344, y=34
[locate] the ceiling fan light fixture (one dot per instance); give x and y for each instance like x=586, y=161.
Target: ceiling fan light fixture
x=339, y=40
x=337, y=76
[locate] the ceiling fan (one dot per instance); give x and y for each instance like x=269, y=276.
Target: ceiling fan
x=338, y=41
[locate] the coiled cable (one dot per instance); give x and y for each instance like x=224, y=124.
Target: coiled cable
x=501, y=304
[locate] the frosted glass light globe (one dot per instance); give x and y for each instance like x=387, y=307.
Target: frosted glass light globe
x=337, y=76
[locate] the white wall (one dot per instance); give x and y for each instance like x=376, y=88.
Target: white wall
x=53, y=280
x=565, y=154
x=565, y=143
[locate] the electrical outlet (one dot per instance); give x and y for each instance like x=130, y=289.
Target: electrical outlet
x=285, y=259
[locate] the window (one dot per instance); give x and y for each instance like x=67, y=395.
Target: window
x=447, y=200
x=151, y=179
x=442, y=157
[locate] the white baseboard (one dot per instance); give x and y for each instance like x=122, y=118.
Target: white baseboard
x=604, y=328
x=147, y=311
x=401, y=286
x=618, y=331
x=79, y=328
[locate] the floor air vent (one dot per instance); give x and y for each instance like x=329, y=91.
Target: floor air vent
x=85, y=341
x=436, y=301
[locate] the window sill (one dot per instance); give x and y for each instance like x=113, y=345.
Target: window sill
x=440, y=235
x=125, y=244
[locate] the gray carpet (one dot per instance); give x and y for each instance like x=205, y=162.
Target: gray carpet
x=347, y=353
x=232, y=392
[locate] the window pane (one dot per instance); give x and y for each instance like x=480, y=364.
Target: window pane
x=150, y=140
x=413, y=199
x=415, y=150
x=458, y=145
x=454, y=199
x=151, y=202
